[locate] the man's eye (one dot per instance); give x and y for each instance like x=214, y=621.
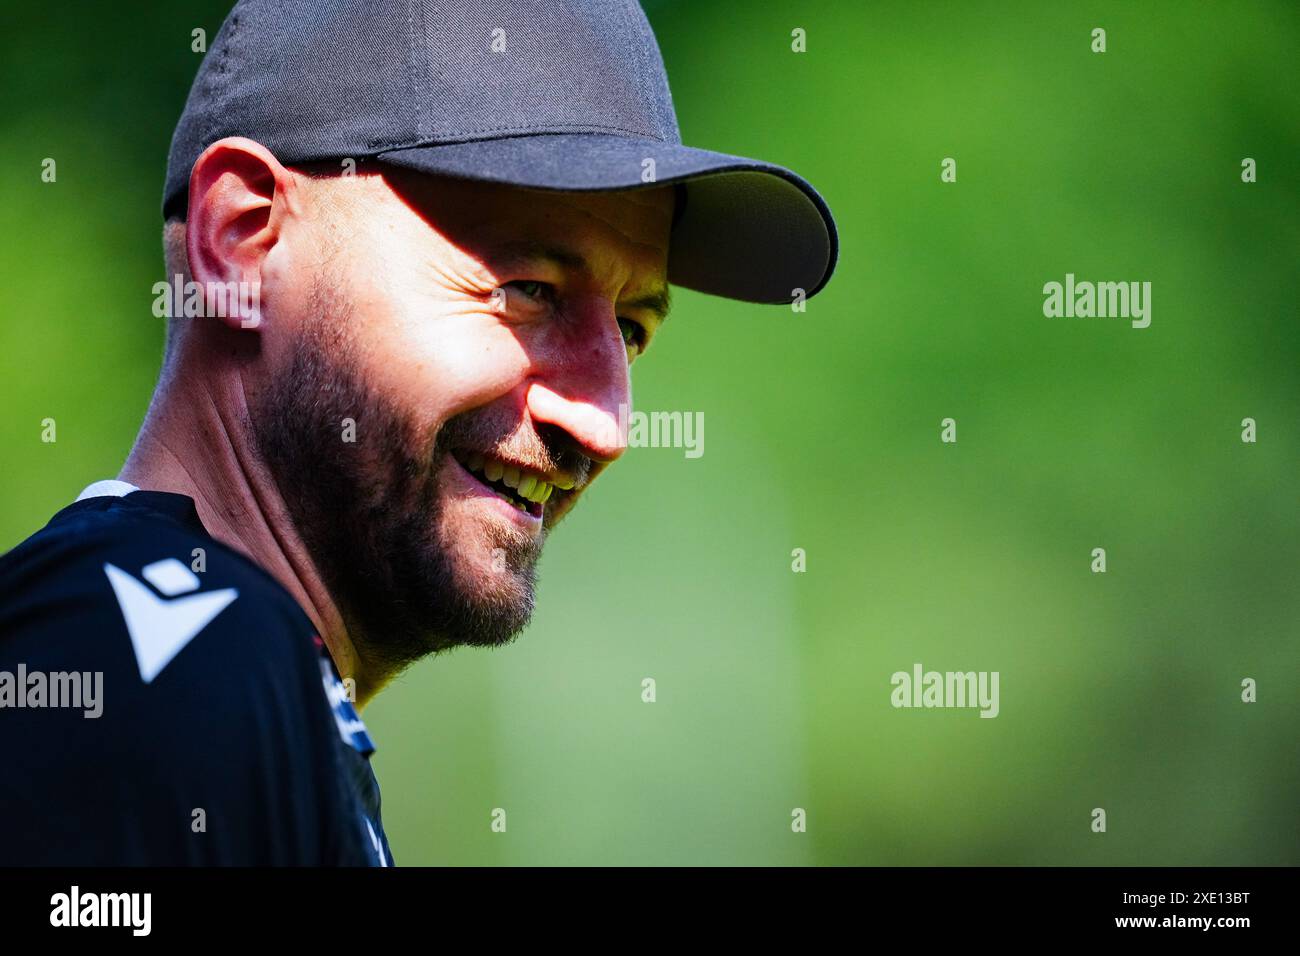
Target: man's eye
x=633, y=335
x=524, y=298
x=532, y=289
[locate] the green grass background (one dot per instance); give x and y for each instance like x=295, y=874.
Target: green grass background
x=1118, y=691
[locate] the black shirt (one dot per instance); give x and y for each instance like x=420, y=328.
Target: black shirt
x=164, y=701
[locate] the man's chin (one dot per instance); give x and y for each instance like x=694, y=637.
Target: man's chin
x=490, y=574
x=453, y=576
x=458, y=603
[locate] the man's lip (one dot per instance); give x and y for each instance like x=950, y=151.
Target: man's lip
x=466, y=477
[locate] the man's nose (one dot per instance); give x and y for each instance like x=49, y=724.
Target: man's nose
x=583, y=388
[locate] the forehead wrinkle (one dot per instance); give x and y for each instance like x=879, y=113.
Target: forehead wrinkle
x=622, y=232
x=635, y=255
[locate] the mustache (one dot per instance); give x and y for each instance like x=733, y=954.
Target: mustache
x=543, y=448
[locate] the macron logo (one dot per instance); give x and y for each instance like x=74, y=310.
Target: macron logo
x=160, y=628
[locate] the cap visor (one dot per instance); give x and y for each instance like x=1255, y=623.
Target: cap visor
x=748, y=230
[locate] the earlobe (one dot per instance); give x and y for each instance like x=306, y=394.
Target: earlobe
x=233, y=225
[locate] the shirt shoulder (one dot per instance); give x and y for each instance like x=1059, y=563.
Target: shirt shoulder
x=106, y=554
x=202, y=731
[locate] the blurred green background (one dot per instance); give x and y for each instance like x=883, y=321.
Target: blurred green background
x=1118, y=690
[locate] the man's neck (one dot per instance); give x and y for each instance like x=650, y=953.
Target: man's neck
x=193, y=442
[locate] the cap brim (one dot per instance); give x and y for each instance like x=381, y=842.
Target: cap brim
x=747, y=230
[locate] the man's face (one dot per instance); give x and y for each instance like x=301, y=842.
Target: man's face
x=446, y=363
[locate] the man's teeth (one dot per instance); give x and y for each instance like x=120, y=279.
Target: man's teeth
x=525, y=484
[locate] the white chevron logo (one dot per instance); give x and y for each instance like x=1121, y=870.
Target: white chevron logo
x=160, y=628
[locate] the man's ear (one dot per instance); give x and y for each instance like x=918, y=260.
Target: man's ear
x=234, y=221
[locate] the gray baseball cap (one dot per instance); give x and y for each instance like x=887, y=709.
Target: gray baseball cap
x=546, y=94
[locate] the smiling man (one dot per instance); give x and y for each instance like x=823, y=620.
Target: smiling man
x=457, y=235
x=434, y=378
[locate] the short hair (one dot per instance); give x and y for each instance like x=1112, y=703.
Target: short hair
x=176, y=261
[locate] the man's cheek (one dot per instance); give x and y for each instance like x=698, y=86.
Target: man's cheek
x=465, y=368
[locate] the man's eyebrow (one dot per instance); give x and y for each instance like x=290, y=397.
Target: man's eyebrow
x=526, y=251
x=658, y=302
